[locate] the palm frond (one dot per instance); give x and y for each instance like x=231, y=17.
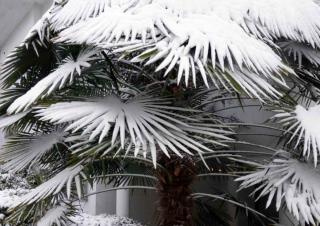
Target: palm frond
x=299, y=51
x=143, y=123
x=282, y=19
x=40, y=29
x=21, y=59
x=291, y=182
x=73, y=11
x=65, y=73
x=55, y=185
x=276, y=20
x=200, y=50
x=6, y=121
x=25, y=150
x=54, y=216
x=302, y=123
x=211, y=45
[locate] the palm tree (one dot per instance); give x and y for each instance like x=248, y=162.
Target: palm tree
x=100, y=89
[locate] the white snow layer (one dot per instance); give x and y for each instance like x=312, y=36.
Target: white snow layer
x=102, y=220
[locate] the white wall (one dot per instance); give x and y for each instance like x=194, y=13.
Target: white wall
x=18, y=34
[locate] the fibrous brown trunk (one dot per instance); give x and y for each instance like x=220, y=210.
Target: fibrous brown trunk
x=174, y=190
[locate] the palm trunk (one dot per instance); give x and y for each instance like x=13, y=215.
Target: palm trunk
x=175, y=205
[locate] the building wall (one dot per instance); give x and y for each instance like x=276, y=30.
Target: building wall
x=23, y=28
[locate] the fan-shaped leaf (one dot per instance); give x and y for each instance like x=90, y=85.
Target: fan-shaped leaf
x=55, y=185
x=303, y=123
x=54, y=216
x=56, y=80
x=11, y=119
x=22, y=151
x=290, y=181
x=178, y=33
x=147, y=123
x=185, y=35
x=300, y=51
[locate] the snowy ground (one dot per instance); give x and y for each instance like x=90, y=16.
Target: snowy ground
x=13, y=187
x=9, y=197
x=102, y=220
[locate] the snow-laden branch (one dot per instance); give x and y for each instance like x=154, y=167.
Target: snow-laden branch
x=304, y=126
x=144, y=123
x=23, y=151
x=291, y=182
x=64, y=74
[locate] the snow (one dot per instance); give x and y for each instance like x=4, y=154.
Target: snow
x=302, y=122
x=159, y=127
x=9, y=120
x=177, y=33
x=13, y=189
x=53, y=216
x=102, y=220
x=26, y=153
x=291, y=182
x=55, y=80
x=11, y=197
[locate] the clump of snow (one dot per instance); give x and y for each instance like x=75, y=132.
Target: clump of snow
x=11, y=197
x=102, y=220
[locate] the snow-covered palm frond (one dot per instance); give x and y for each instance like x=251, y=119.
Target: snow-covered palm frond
x=198, y=37
x=292, y=19
x=24, y=151
x=214, y=40
x=290, y=181
x=268, y=17
x=6, y=121
x=303, y=124
x=65, y=73
x=79, y=10
x=16, y=65
x=300, y=51
x=147, y=123
x=54, y=216
x=41, y=27
x=55, y=185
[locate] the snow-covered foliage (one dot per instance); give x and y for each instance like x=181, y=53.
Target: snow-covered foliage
x=64, y=74
x=102, y=220
x=6, y=121
x=103, y=69
x=265, y=16
x=177, y=33
x=303, y=125
x=12, y=181
x=12, y=188
x=148, y=121
x=299, y=51
x=55, y=185
x=291, y=182
x=11, y=197
x=53, y=216
x=19, y=155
